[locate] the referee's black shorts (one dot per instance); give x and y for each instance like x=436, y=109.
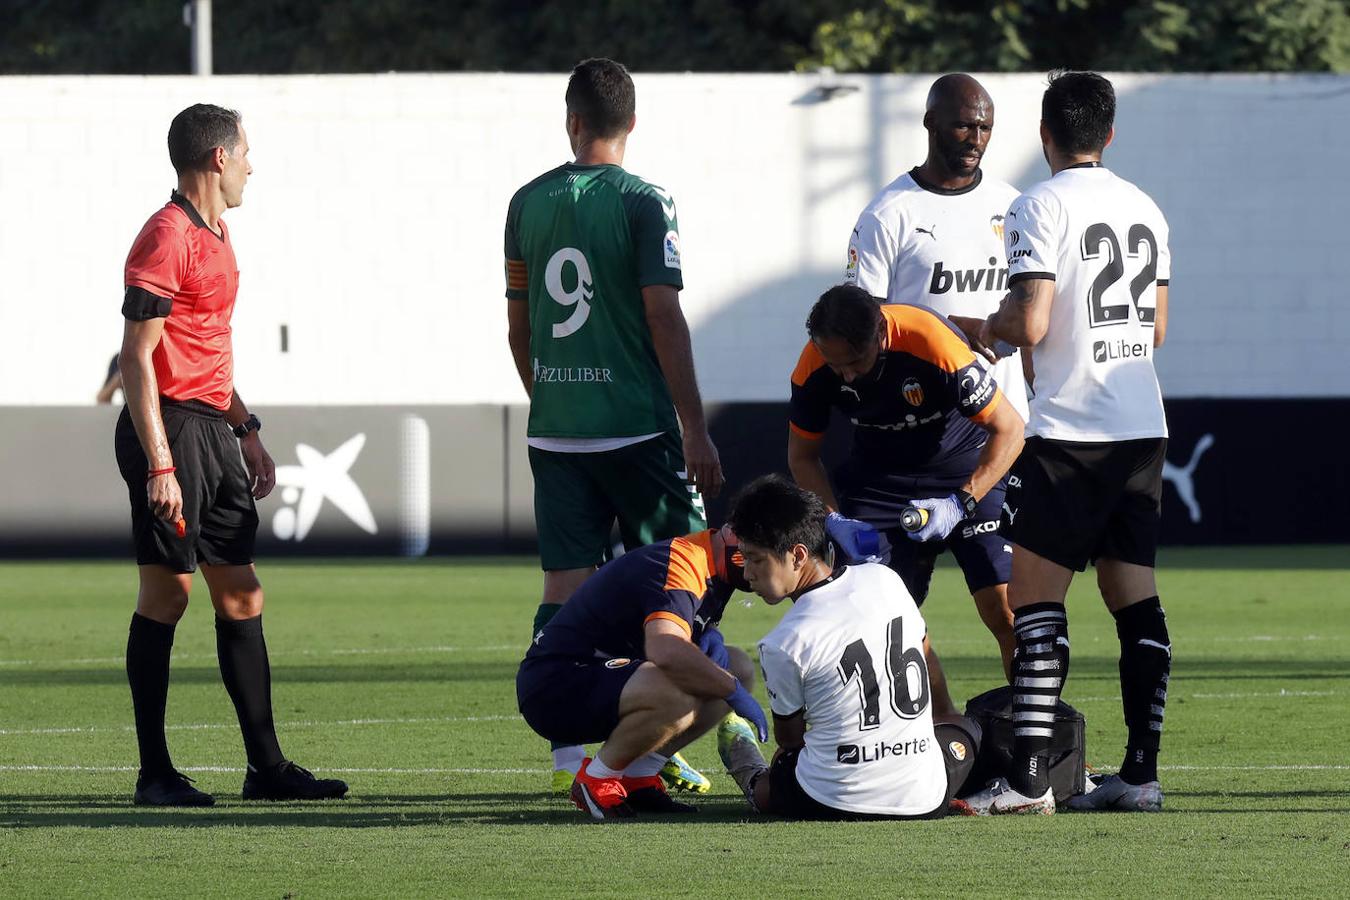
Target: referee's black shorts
x=1073, y=502
x=218, y=509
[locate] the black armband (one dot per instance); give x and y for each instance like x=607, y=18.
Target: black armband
x=140, y=305
x=1029, y=276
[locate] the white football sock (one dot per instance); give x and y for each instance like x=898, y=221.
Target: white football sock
x=568, y=758
x=597, y=769
x=646, y=765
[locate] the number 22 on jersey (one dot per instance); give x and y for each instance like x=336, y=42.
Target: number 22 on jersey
x=1099, y=237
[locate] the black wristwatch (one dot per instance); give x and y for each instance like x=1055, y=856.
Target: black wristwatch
x=250, y=424
x=968, y=503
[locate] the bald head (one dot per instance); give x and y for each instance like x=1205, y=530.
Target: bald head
x=951, y=92
x=960, y=118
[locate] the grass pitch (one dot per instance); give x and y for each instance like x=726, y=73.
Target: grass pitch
x=400, y=678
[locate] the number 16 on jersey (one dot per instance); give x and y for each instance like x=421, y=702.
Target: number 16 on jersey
x=906, y=676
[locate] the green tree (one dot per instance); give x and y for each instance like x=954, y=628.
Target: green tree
x=285, y=36
x=1137, y=35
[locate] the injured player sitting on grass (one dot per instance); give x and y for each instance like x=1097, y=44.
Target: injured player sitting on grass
x=634, y=659
x=846, y=676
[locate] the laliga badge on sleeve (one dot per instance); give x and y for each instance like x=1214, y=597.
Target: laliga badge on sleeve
x=672, y=248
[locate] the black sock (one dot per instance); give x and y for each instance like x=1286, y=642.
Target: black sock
x=248, y=680
x=1039, y=667
x=1145, y=664
x=543, y=615
x=149, y=646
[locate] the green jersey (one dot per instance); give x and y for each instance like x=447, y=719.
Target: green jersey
x=581, y=243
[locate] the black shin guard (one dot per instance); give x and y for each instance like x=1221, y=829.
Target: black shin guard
x=1039, y=667
x=149, y=646
x=1145, y=664
x=248, y=680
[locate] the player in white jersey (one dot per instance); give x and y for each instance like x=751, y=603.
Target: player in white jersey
x=846, y=675
x=934, y=238
x=1090, y=263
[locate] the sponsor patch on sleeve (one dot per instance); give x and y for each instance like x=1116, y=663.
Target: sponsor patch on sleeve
x=672, y=248
x=976, y=389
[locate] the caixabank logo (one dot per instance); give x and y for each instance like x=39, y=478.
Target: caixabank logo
x=318, y=478
x=362, y=488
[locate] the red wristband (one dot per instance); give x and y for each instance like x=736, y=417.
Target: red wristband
x=155, y=473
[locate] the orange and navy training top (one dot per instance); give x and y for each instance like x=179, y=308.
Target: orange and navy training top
x=182, y=271
x=917, y=411
x=673, y=580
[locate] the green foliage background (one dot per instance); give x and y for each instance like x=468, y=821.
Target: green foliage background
x=307, y=36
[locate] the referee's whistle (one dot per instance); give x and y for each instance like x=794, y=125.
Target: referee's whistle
x=181, y=527
x=912, y=518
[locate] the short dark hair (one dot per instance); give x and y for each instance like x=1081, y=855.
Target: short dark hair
x=600, y=92
x=773, y=512
x=1078, y=109
x=197, y=131
x=845, y=311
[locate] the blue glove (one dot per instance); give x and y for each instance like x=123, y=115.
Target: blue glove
x=858, y=540
x=714, y=647
x=943, y=515
x=1002, y=349
x=746, y=706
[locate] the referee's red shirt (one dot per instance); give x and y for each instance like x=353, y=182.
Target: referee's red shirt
x=180, y=268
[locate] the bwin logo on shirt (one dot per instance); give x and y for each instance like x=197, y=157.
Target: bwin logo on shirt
x=965, y=280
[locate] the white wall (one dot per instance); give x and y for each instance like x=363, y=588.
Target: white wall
x=372, y=226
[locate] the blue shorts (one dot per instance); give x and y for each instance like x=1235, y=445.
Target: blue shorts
x=572, y=701
x=983, y=554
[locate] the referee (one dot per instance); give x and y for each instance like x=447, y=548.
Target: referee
x=179, y=441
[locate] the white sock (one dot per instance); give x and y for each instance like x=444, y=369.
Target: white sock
x=597, y=769
x=646, y=765
x=568, y=758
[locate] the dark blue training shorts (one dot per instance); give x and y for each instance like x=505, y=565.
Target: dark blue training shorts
x=981, y=551
x=572, y=701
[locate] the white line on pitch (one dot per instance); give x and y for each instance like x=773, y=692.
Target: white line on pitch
x=1279, y=693
x=349, y=771
x=378, y=651
x=1308, y=768
x=354, y=651
x=1235, y=696
x=436, y=720
x=212, y=726
x=487, y=771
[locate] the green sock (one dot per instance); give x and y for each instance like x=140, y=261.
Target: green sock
x=542, y=616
